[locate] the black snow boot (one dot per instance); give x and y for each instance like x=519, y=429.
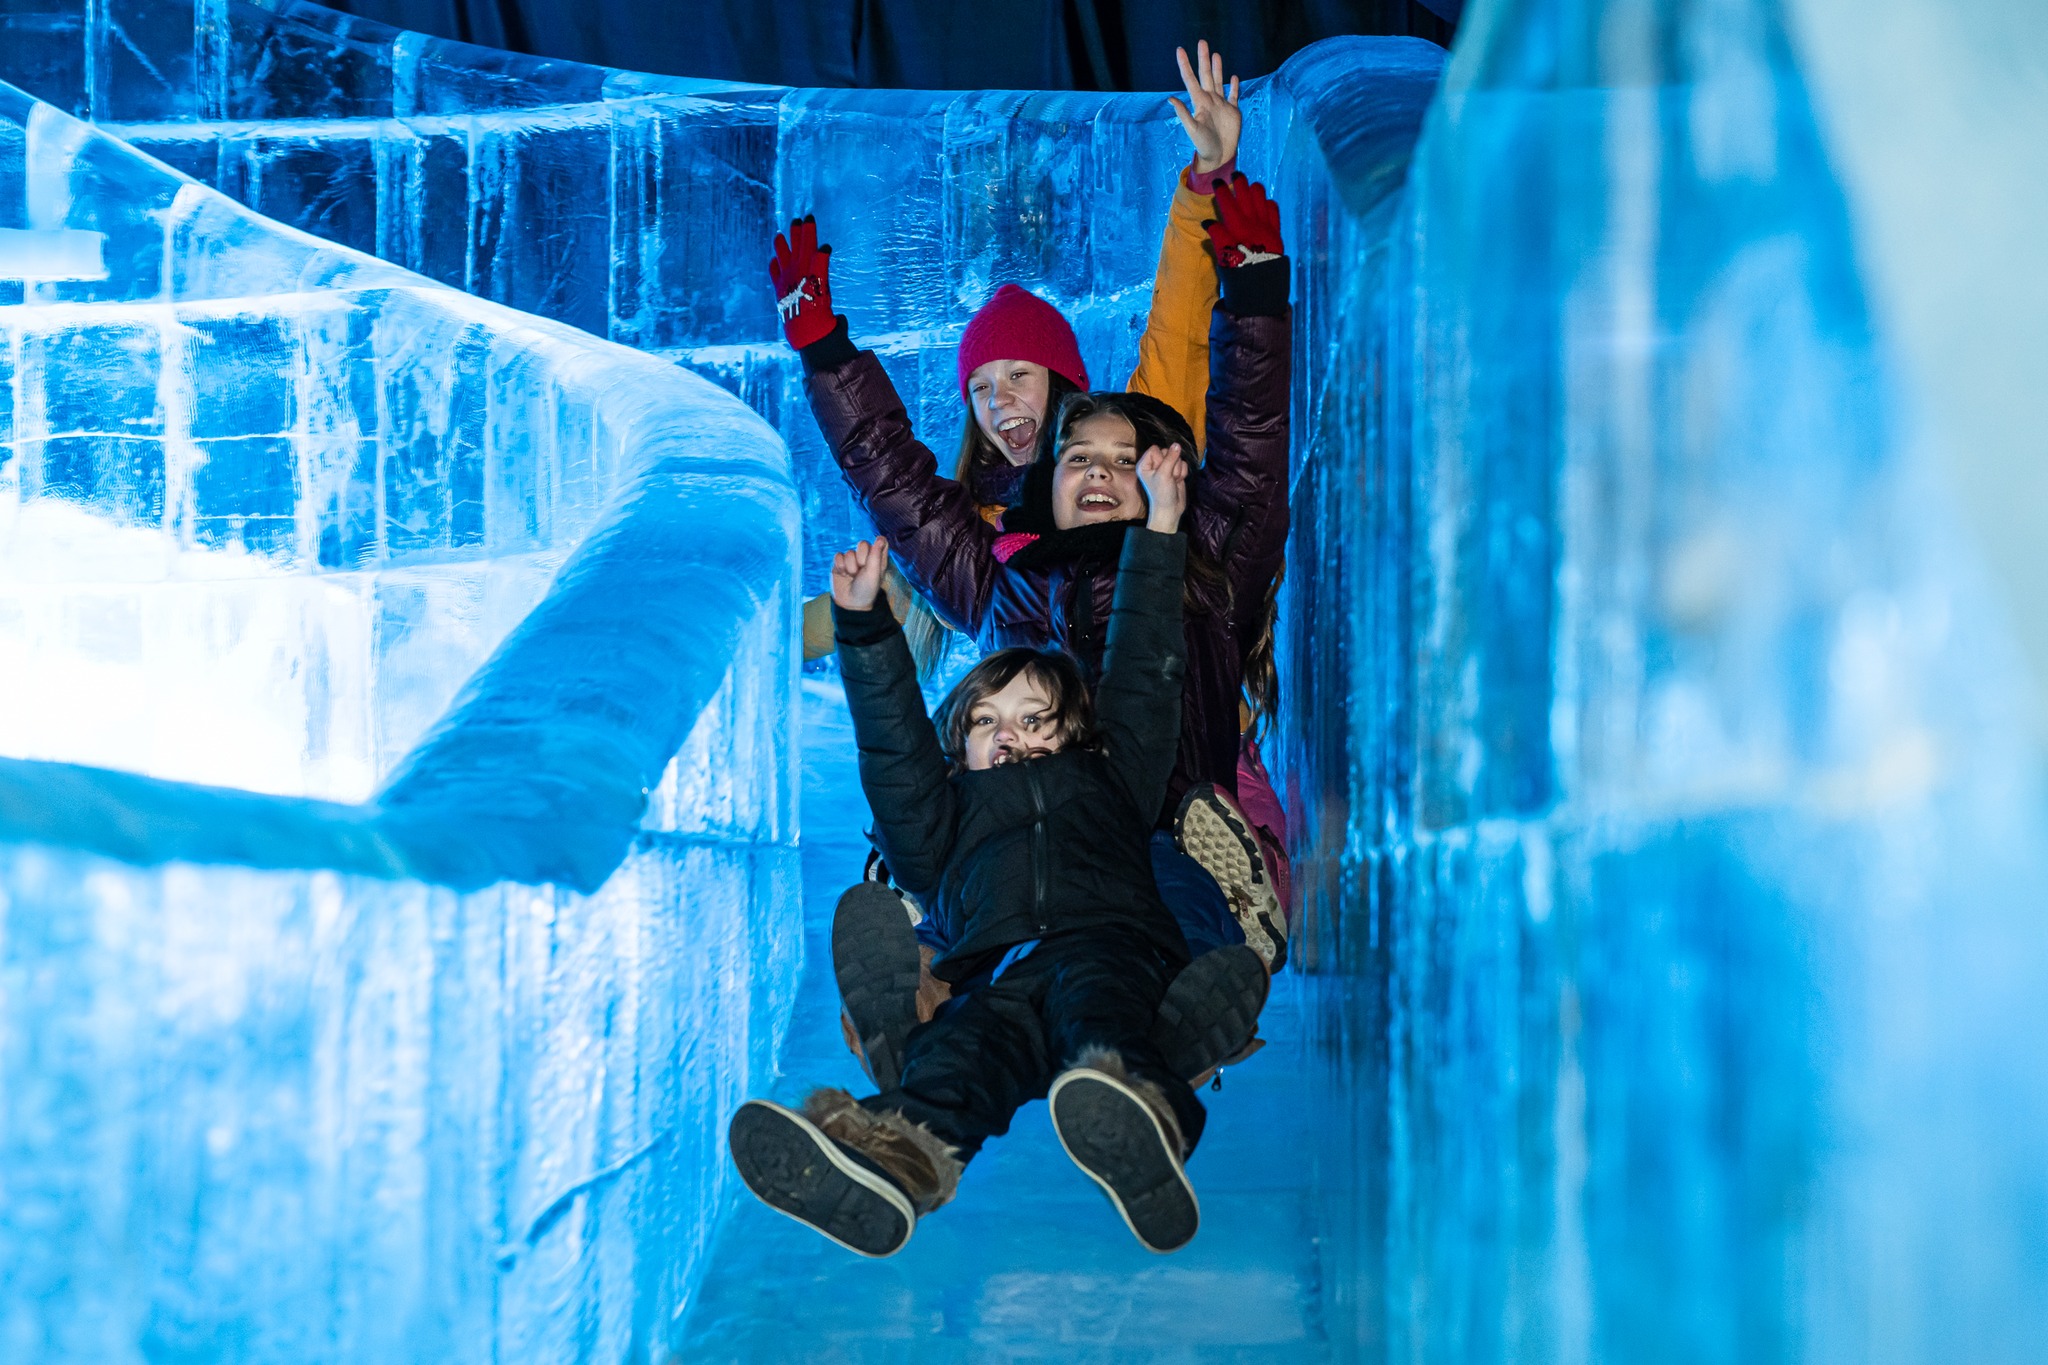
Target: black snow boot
x=861, y=1178
x=876, y=962
x=1122, y=1132
x=1211, y=1011
x=1211, y=829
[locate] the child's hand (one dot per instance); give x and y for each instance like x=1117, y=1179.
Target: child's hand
x=857, y=574
x=1165, y=477
x=1213, y=121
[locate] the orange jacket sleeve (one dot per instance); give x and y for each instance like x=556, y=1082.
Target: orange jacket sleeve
x=1173, y=355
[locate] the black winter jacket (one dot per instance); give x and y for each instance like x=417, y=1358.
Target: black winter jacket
x=1009, y=854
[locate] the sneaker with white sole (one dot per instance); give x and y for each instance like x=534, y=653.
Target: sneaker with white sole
x=1211, y=829
x=1121, y=1132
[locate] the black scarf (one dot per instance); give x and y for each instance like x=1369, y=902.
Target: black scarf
x=1097, y=544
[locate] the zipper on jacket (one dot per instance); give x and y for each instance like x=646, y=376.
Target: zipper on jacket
x=1038, y=857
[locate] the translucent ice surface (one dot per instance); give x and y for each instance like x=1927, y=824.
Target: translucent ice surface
x=417, y=1021
x=1669, y=973
x=1674, y=844
x=637, y=207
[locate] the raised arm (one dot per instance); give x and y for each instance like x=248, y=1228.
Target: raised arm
x=1240, y=496
x=818, y=638
x=1173, y=354
x=1144, y=670
x=932, y=523
x=902, y=771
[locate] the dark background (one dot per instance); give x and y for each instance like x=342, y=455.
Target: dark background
x=914, y=44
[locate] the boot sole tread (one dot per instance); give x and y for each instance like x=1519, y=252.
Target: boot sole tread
x=1211, y=833
x=876, y=964
x=1112, y=1135
x=1228, y=989
x=798, y=1171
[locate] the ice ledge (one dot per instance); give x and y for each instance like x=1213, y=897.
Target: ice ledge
x=540, y=769
x=52, y=254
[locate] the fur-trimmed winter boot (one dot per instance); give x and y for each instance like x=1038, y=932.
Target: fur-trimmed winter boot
x=1211, y=1011
x=861, y=1178
x=1211, y=829
x=1123, y=1133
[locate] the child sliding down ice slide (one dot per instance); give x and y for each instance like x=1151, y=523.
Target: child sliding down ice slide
x=1022, y=823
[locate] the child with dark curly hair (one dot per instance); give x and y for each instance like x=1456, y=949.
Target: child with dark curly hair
x=1022, y=822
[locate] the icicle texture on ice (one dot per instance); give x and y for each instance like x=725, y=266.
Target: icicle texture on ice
x=1669, y=980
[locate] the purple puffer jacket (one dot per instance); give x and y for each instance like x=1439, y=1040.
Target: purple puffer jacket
x=1237, y=514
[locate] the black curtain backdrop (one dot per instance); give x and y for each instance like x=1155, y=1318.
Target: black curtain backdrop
x=913, y=44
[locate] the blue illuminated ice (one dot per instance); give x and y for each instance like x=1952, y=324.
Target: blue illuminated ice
x=418, y=1018
x=1672, y=857
x=638, y=207
x=1681, y=928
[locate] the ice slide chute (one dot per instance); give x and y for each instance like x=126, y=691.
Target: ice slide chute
x=1669, y=871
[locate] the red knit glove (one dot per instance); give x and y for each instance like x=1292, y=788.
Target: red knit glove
x=803, y=286
x=1247, y=226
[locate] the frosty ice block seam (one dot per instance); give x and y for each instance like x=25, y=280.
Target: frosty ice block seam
x=554, y=439
x=364, y=1080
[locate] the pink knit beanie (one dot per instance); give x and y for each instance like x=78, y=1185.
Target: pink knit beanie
x=1018, y=325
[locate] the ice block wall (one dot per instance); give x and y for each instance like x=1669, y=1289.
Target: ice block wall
x=640, y=207
x=410, y=1033
x=1670, y=862
x=1673, y=836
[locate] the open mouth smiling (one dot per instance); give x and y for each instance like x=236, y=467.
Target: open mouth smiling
x=1018, y=433
x=1096, y=502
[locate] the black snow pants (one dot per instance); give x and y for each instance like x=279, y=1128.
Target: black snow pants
x=1000, y=1043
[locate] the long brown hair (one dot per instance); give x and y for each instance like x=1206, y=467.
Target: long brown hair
x=1208, y=586
x=1261, y=678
